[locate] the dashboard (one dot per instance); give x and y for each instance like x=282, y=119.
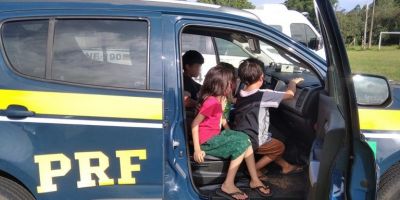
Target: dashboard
x=295, y=117
x=306, y=96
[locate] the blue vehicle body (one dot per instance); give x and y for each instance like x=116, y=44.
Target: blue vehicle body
x=154, y=142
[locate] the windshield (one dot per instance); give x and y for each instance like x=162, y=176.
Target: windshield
x=270, y=55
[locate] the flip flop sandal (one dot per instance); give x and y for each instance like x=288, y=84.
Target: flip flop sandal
x=298, y=170
x=262, y=194
x=229, y=195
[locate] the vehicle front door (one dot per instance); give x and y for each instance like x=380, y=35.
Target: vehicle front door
x=81, y=105
x=347, y=169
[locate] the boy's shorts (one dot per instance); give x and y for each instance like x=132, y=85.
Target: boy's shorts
x=228, y=144
x=273, y=149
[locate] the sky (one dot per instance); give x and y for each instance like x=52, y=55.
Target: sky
x=343, y=4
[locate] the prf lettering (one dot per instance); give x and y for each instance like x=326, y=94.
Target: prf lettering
x=48, y=173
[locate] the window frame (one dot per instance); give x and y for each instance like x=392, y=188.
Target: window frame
x=50, y=44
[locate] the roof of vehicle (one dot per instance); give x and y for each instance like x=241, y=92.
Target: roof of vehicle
x=169, y=6
x=269, y=12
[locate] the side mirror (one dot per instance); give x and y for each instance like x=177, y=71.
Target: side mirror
x=371, y=90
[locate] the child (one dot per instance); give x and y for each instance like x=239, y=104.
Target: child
x=252, y=117
x=192, y=62
x=235, y=82
x=208, y=138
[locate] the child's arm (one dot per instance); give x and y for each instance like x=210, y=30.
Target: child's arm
x=291, y=90
x=198, y=154
x=188, y=101
x=225, y=123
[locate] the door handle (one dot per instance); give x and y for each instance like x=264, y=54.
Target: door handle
x=17, y=112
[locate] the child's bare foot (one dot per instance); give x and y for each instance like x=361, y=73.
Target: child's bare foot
x=261, y=189
x=234, y=192
x=291, y=169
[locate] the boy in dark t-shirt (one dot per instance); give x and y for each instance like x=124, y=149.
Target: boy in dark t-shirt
x=252, y=117
x=192, y=61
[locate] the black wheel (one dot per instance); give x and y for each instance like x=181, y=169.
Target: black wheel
x=389, y=184
x=10, y=190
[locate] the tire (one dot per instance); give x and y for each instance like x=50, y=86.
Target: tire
x=10, y=190
x=389, y=184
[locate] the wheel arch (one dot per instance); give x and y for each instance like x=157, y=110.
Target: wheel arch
x=18, y=176
x=388, y=162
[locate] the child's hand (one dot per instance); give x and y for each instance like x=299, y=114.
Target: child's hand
x=297, y=80
x=199, y=156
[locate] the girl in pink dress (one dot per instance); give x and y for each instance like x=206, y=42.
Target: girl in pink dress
x=208, y=138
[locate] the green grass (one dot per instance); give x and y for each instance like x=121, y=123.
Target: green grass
x=385, y=62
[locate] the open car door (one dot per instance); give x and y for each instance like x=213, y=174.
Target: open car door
x=342, y=165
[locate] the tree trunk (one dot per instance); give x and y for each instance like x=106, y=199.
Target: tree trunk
x=372, y=25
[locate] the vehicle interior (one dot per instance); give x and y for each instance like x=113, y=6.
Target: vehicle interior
x=295, y=120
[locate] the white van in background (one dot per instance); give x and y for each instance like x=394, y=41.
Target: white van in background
x=292, y=23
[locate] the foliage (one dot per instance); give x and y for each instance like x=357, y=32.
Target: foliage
x=386, y=18
x=241, y=4
x=305, y=6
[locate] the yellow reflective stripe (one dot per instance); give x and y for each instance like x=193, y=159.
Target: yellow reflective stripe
x=373, y=119
x=89, y=105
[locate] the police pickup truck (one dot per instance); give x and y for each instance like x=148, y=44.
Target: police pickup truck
x=91, y=102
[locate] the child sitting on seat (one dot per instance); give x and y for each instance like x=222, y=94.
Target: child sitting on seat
x=252, y=117
x=231, y=100
x=208, y=138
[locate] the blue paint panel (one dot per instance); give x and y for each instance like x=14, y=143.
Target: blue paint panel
x=395, y=97
x=24, y=140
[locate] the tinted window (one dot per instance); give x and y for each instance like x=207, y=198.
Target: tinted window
x=101, y=52
x=25, y=44
x=310, y=35
x=298, y=33
x=227, y=48
x=202, y=44
x=303, y=34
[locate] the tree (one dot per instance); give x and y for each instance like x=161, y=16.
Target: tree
x=387, y=18
x=305, y=6
x=240, y=4
x=351, y=24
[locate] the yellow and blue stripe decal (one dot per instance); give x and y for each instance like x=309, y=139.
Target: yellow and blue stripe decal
x=383, y=120
x=380, y=124
x=85, y=105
